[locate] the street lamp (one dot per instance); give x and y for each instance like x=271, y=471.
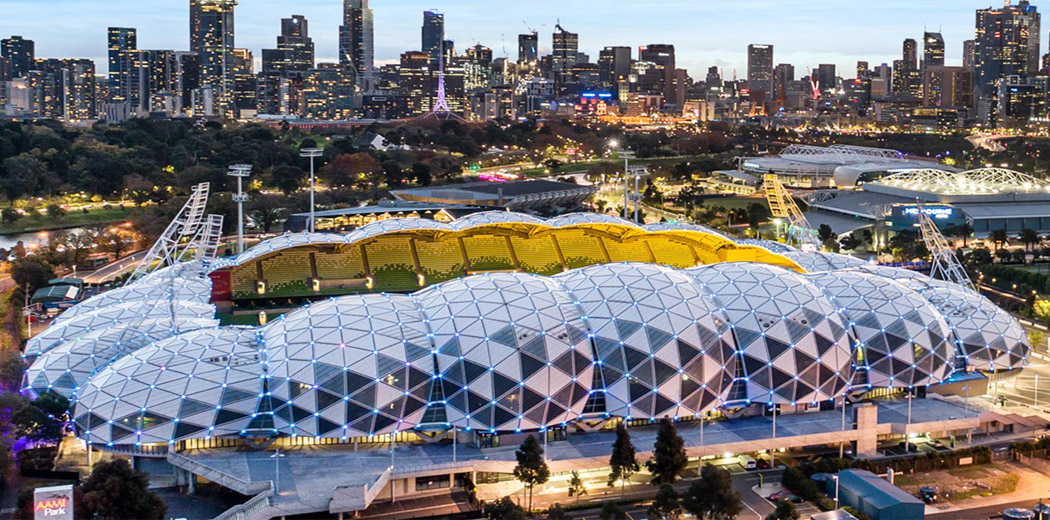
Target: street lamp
x=312, y=153
x=277, y=455
x=240, y=171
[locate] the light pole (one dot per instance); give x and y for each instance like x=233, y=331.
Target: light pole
x=907, y=434
x=773, y=451
x=842, y=444
x=240, y=171
x=312, y=153
x=1037, y=389
x=277, y=455
x=836, y=477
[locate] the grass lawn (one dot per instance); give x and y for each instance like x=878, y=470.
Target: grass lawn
x=75, y=218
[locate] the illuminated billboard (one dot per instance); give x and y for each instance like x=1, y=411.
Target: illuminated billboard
x=53, y=503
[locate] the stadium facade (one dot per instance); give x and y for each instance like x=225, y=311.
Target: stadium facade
x=805, y=166
x=645, y=322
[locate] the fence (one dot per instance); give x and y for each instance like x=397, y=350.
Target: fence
x=1034, y=459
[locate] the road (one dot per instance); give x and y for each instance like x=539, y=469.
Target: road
x=115, y=269
x=980, y=513
x=1022, y=388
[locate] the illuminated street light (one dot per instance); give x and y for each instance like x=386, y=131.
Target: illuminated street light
x=240, y=171
x=312, y=153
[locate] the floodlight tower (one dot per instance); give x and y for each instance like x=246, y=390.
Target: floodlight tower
x=312, y=153
x=240, y=171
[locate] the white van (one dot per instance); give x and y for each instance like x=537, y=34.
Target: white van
x=748, y=462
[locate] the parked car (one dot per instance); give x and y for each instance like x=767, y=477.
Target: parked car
x=785, y=495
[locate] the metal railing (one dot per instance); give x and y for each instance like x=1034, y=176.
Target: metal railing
x=250, y=510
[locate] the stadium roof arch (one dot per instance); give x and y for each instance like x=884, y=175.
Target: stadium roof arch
x=982, y=181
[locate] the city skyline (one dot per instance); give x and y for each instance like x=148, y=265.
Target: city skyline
x=468, y=22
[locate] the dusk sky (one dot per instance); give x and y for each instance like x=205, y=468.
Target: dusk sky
x=704, y=32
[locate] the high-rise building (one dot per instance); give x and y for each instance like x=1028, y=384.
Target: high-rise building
x=911, y=54
x=121, y=39
x=21, y=52
x=932, y=50
x=328, y=92
x=134, y=87
x=357, y=41
x=968, y=59
x=614, y=65
x=189, y=64
x=662, y=56
x=713, y=78
x=433, y=34
x=212, y=38
x=828, y=77
x=783, y=76
x=863, y=70
x=414, y=81
x=1006, y=43
x=528, y=50
x=478, y=68
x=947, y=87
x=61, y=89
x=566, y=49
x=245, y=83
x=295, y=48
x=760, y=68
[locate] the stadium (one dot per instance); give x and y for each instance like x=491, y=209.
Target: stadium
x=487, y=328
x=804, y=166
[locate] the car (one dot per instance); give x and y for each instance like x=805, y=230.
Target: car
x=785, y=495
x=909, y=445
x=762, y=464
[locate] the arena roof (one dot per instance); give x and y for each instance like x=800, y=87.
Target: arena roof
x=517, y=351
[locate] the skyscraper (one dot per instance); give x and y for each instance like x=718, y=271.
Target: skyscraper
x=783, y=75
x=528, y=49
x=433, y=34
x=911, y=54
x=932, y=50
x=969, y=47
x=614, y=65
x=826, y=72
x=121, y=39
x=356, y=41
x=21, y=52
x=566, y=49
x=662, y=56
x=1006, y=43
x=760, y=68
x=295, y=48
x=212, y=38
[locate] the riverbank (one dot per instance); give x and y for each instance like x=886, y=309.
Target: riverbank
x=72, y=219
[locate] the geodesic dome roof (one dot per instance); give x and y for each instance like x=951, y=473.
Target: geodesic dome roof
x=65, y=368
x=901, y=341
x=663, y=349
x=201, y=384
x=816, y=262
x=769, y=245
x=352, y=366
x=106, y=317
x=511, y=351
x=792, y=343
x=988, y=338
x=193, y=289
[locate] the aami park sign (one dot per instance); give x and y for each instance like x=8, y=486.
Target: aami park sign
x=53, y=503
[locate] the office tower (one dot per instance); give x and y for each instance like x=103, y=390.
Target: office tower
x=969, y=47
x=863, y=70
x=121, y=39
x=357, y=41
x=414, y=81
x=212, y=38
x=947, y=87
x=713, y=78
x=1006, y=43
x=826, y=73
x=5, y=77
x=328, y=92
x=79, y=90
x=189, y=67
x=932, y=50
x=21, y=52
x=760, y=68
x=433, y=34
x=61, y=89
x=133, y=88
x=783, y=76
x=911, y=54
x=295, y=48
x=245, y=83
x=614, y=65
x=662, y=56
x=566, y=49
x=162, y=77
x=478, y=68
x=528, y=49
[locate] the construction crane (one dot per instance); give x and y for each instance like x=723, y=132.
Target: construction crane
x=781, y=205
x=945, y=266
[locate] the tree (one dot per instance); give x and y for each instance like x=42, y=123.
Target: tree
x=288, y=179
x=531, y=469
x=54, y=210
x=9, y=215
x=576, y=487
x=352, y=169
x=849, y=242
x=502, y=509
x=666, y=504
x=1029, y=237
x=557, y=513
x=41, y=420
x=266, y=211
x=32, y=271
x=611, y=511
x=712, y=495
x=622, y=462
x=824, y=233
x=22, y=175
x=785, y=511
x=669, y=457
x=115, y=242
x=116, y=491
x=999, y=237
x=421, y=173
